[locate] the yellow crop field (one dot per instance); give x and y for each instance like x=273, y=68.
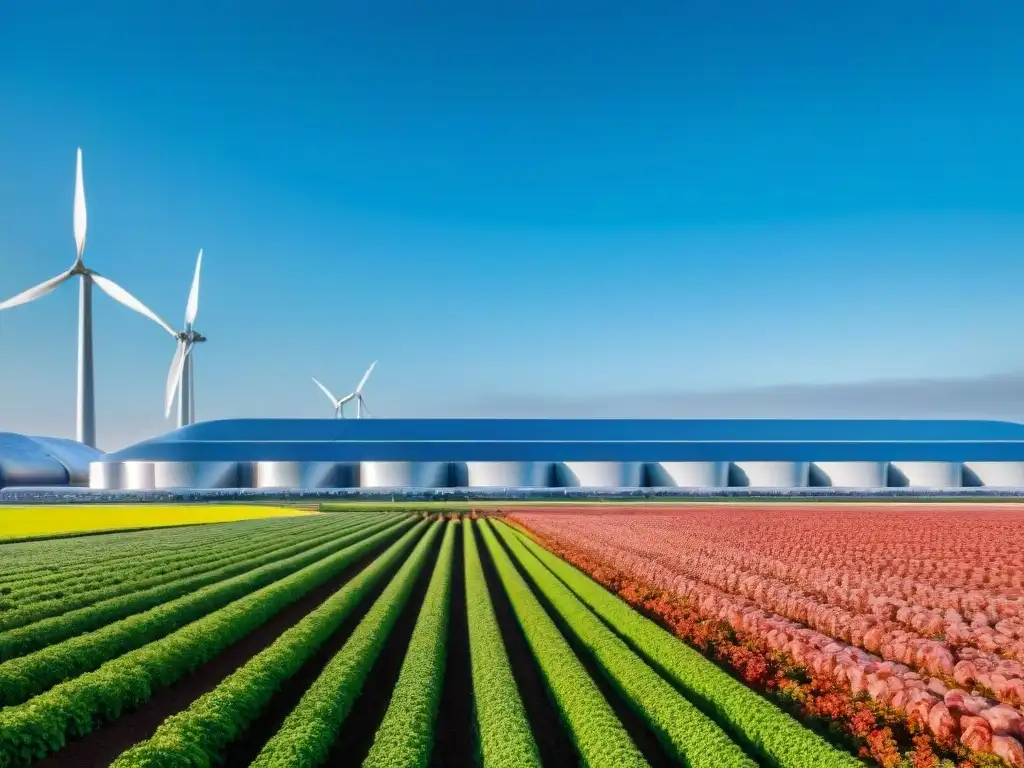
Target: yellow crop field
x=18, y=522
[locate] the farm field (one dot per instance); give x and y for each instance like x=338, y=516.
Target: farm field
x=901, y=627
x=37, y=520
x=390, y=637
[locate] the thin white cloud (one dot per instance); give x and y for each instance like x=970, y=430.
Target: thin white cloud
x=987, y=397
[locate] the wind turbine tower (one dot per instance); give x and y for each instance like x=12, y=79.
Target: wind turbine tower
x=85, y=428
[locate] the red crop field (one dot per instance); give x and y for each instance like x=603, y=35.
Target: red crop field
x=895, y=629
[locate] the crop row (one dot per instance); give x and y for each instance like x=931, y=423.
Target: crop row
x=504, y=736
x=207, y=728
x=185, y=574
x=103, y=572
x=41, y=726
x=405, y=736
x=33, y=560
x=754, y=721
x=29, y=675
x=307, y=734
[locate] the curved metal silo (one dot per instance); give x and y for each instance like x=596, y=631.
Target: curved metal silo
x=996, y=474
x=688, y=474
x=201, y=474
x=926, y=474
x=305, y=474
x=503, y=474
x=850, y=474
x=598, y=474
x=770, y=474
x=403, y=474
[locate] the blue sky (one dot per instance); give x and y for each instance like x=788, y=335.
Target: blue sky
x=546, y=202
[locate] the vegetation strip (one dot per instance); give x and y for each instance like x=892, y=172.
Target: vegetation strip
x=503, y=730
x=208, y=727
x=306, y=735
x=35, y=729
x=103, y=571
x=757, y=723
x=150, y=591
x=406, y=735
x=685, y=732
x=29, y=675
x=597, y=733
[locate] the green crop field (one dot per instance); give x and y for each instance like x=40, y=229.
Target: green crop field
x=373, y=637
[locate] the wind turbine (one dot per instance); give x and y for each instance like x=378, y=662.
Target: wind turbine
x=85, y=428
x=180, y=376
x=357, y=395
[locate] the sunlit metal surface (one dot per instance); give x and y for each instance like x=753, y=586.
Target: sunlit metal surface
x=609, y=453
x=43, y=460
x=770, y=474
x=502, y=474
x=688, y=474
x=926, y=474
x=998, y=474
x=598, y=474
x=850, y=474
x=306, y=474
x=404, y=474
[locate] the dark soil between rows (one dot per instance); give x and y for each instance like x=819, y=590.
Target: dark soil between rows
x=248, y=746
x=553, y=740
x=643, y=737
x=454, y=745
x=355, y=737
x=104, y=744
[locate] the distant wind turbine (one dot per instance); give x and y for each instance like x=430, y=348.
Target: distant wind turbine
x=180, y=377
x=357, y=395
x=85, y=428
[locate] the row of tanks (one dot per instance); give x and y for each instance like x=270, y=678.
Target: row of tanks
x=141, y=475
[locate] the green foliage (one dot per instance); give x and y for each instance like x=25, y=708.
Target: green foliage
x=204, y=731
x=29, y=675
x=597, y=733
x=758, y=724
x=306, y=735
x=685, y=733
x=406, y=735
x=503, y=731
x=51, y=621
x=41, y=726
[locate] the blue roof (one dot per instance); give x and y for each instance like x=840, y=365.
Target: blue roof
x=644, y=440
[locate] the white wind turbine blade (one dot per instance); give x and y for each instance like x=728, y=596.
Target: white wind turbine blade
x=36, y=291
x=174, y=376
x=362, y=402
x=192, y=308
x=326, y=391
x=120, y=295
x=80, y=216
x=366, y=376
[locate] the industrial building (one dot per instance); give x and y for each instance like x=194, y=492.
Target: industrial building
x=586, y=453
x=26, y=461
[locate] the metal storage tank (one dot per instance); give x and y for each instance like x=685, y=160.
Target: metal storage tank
x=997, y=474
x=137, y=475
x=770, y=474
x=305, y=474
x=926, y=474
x=503, y=474
x=201, y=474
x=598, y=474
x=688, y=474
x=106, y=475
x=403, y=474
x=850, y=474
